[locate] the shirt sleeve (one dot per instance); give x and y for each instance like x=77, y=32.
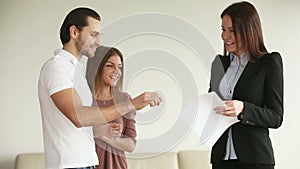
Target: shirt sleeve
x=57, y=77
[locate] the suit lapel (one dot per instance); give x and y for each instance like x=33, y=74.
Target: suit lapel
x=248, y=72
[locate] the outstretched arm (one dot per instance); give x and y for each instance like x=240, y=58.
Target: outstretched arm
x=69, y=103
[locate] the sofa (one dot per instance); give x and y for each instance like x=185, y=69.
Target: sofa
x=191, y=159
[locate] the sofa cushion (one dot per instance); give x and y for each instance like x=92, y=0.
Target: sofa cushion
x=198, y=159
x=163, y=161
x=146, y=161
x=194, y=159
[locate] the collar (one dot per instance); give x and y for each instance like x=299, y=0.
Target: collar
x=67, y=55
x=242, y=60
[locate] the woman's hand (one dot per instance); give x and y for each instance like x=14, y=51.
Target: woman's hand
x=109, y=130
x=115, y=140
x=233, y=108
x=115, y=130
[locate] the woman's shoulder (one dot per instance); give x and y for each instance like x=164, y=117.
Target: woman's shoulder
x=272, y=57
x=272, y=61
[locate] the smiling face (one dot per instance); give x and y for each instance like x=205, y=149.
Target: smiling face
x=112, y=71
x=88, y=39
x=231, y=42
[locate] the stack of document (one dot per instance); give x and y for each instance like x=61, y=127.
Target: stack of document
x=208, y=124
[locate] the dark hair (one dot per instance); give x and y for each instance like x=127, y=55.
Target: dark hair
x=77, y=17
x=246, y=24
x=94, y=70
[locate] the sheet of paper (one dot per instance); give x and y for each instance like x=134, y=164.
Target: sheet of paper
x=208, y=124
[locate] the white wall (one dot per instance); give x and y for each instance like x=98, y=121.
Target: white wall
x=29, y=35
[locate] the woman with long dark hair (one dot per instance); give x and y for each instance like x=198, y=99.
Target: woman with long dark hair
x=250, y=81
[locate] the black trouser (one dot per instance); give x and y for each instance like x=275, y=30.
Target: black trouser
x=234, y=164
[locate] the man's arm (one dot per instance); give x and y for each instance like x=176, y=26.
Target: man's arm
x=69, y=103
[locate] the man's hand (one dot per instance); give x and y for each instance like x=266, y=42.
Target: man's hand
x=147, y=98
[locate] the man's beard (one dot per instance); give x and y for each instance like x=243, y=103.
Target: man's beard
x=82, y=48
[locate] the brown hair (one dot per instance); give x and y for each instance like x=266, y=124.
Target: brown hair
x=246, y=24
x=94, y=70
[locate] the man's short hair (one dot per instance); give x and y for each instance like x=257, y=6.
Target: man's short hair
x=77, y=17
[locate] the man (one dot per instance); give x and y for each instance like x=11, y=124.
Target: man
x=65, y=98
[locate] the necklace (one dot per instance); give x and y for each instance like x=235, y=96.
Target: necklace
x=104, y=102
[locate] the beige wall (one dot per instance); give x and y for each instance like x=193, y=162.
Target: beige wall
x=29, y=35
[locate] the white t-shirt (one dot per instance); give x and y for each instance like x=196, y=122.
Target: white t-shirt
x=65, y=145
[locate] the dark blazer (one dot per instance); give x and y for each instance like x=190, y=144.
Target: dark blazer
x=260, y=87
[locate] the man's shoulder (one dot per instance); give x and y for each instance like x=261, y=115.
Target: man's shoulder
x=57, y=62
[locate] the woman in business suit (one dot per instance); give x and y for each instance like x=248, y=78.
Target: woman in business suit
x=250, y=80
